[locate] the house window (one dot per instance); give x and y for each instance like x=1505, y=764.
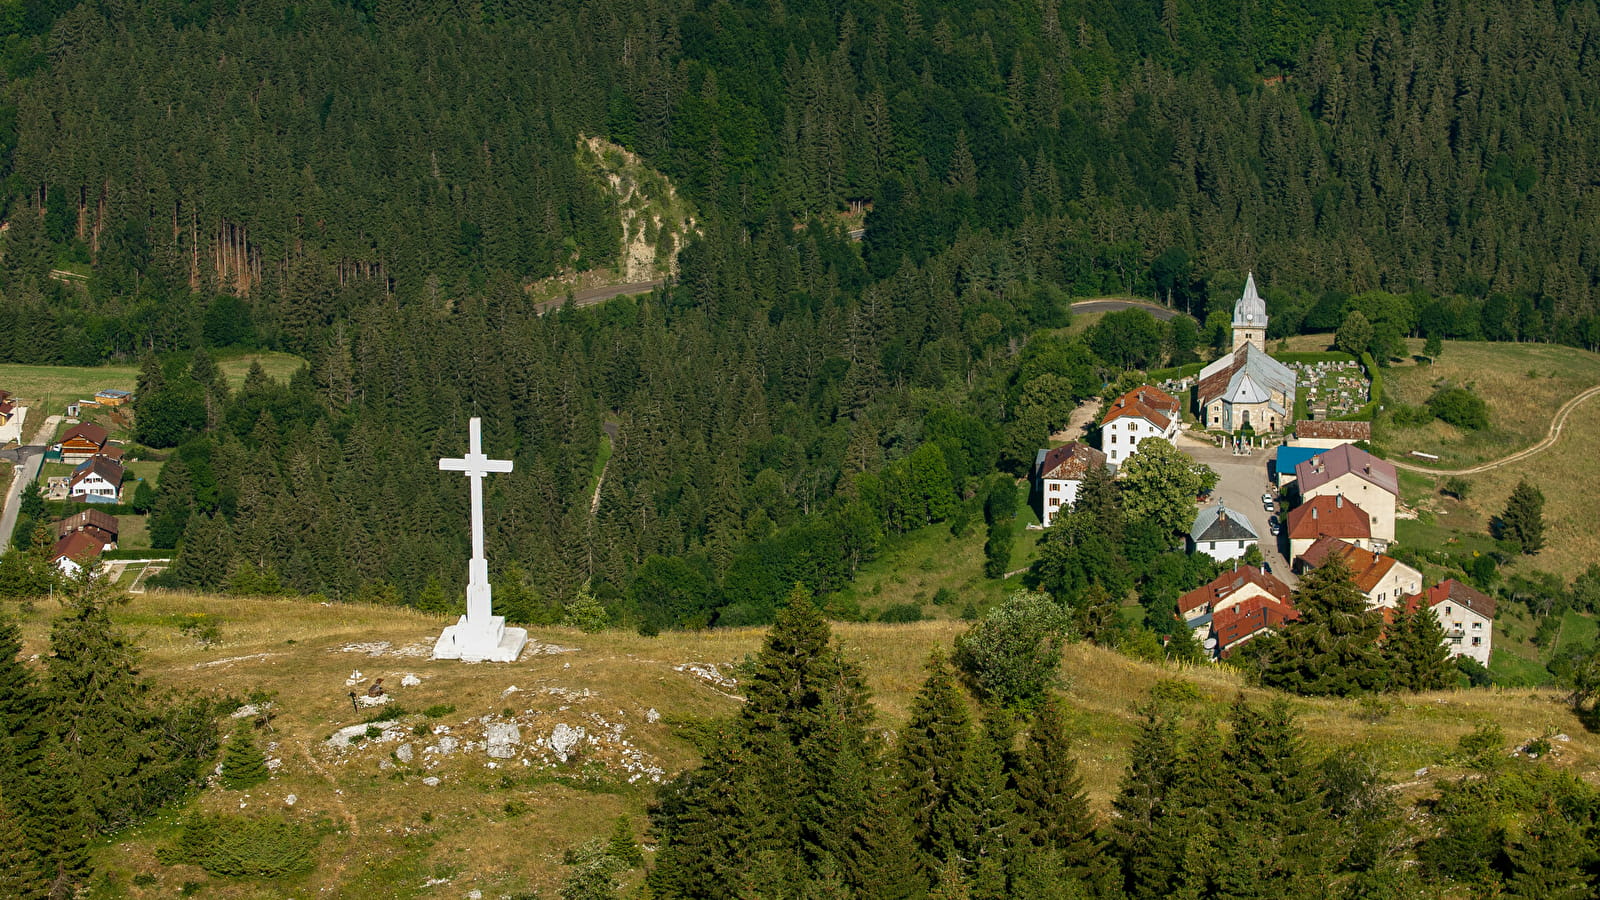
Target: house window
x=1113, y=437
x=1477, y=626
x=1477, y=641
x=1055, y=503
x=1448, y=611
x=1211, y=545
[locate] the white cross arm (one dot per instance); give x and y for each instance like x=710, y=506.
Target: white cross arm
x=480, y=465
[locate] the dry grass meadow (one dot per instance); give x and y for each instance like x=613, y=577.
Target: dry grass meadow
x=503, y=830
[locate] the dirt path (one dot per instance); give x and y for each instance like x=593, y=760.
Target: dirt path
x=591, y=296
x=1114, y=304
x=1554, y=435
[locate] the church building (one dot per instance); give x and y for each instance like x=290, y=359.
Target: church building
x=1247, y=388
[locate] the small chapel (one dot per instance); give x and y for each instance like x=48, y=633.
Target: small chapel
x=1247, y=389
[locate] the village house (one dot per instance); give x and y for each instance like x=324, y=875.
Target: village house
x=1333, y=517
x=73, y=552
x=82, y=442
x=1358, y=476
x=112, y=397
x=1247, y=389
x=1465, y=613
x=1247, y=620
x=1058, y=473
x=1144, y=412
x=101, y=526
x=7, y=407
x=1221, y=533
x=98, y=480
x=1326, y=435
x=1382, y=579
x=1287, y=458
x=1235, y=607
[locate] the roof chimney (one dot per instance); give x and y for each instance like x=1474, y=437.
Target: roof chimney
x=1367, y=468
x=1338, y=500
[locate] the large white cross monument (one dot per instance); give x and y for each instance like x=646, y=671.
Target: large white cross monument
x=480, y=636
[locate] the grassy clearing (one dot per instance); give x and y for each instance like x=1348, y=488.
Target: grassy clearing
x=134, y=533
x=503, y=830
x=1523, y=384
x=50, y=388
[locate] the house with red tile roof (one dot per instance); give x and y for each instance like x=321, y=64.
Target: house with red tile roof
x=1465, y=613
x=100, y=525
x=1358, y=476
x=1234, y=607
x=1058, y=473
x=1334, y=517
x=1144, y=412
x=1245, y=621
x=1384, y=580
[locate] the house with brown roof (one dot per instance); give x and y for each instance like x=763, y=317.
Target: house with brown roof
x=1058, y=473
x=101, y=526
x=1466, y=614
x=7, y=407
x=1144, y=412
x=82, y=442
x=75, y=551
x=97, y=480
x=1382, y=579
x=1358, y=476
x=1236, y=606
x=1245, y=621
x=1333, y=517
x=1326, y=435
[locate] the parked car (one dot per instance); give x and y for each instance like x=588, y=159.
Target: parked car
x=1272, y=526
x=1266, y=504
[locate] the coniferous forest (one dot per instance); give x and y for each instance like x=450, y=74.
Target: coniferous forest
x=373, y=186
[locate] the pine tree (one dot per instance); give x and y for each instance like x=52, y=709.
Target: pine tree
x=1052, y=806
x=622, y=846
x=1547, y=862
x=1333, y=647
x=1414, y=652
x=935, y=747
x=20, y=875
x=243, y=764
x=1523, y=519
x=885, y=864
x=1269, y=808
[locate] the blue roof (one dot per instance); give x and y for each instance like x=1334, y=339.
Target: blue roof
x=1289, y=457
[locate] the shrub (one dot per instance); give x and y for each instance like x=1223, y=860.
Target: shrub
x=236, y=846
x=901, y=612
x=1408, y=416
x=1460, y=407
x=439, y=710
x=1010, y=656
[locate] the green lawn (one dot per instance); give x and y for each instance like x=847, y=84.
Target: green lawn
x=52, y=387
x=148, y=469
x=134, y=534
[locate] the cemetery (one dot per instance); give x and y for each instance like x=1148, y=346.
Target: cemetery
x=1332, y=389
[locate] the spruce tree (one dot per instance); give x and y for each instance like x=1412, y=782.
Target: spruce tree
x=1332, y=649
x=1269, y=806
x=1414, y=652
x=935, y=748
x=622, y=845
x=20, y=875
x=1523, y=519
x=243, y=764
x=885, y=864
x=1548, y=861
x=1052, y=806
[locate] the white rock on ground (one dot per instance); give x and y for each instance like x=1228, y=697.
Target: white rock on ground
x=564, y=739
x=410, y=680
x=431, y=781
x=341, y=738
x=404, y=753
x=503, y=739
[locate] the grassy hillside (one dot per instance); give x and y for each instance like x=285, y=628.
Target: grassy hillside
x=1523, y=384
x=500, y=826
x=51, y=387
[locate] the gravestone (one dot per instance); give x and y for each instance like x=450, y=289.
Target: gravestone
x=480, y=636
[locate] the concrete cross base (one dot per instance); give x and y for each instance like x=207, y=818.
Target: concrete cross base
x=470, y=643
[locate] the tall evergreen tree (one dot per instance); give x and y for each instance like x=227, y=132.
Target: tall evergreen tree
x=1052, y=806
x=1550, y=861
x=1414, y=652
x=934, y=751
x=243, y=764
x=1523, y=518
x=1333, y=647
x=20, y=875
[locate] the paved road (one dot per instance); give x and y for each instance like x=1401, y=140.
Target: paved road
x=1099, y=306
x=1550, y=438
x=1241, y=481
x=594, y=295
x=27, y=470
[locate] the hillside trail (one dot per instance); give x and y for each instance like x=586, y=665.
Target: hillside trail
x=1554, y=434
x=353, y=835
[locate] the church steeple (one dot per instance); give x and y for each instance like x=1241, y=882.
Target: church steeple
x=1250, y=317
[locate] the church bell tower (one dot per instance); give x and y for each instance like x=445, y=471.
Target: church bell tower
x=1250, y=318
